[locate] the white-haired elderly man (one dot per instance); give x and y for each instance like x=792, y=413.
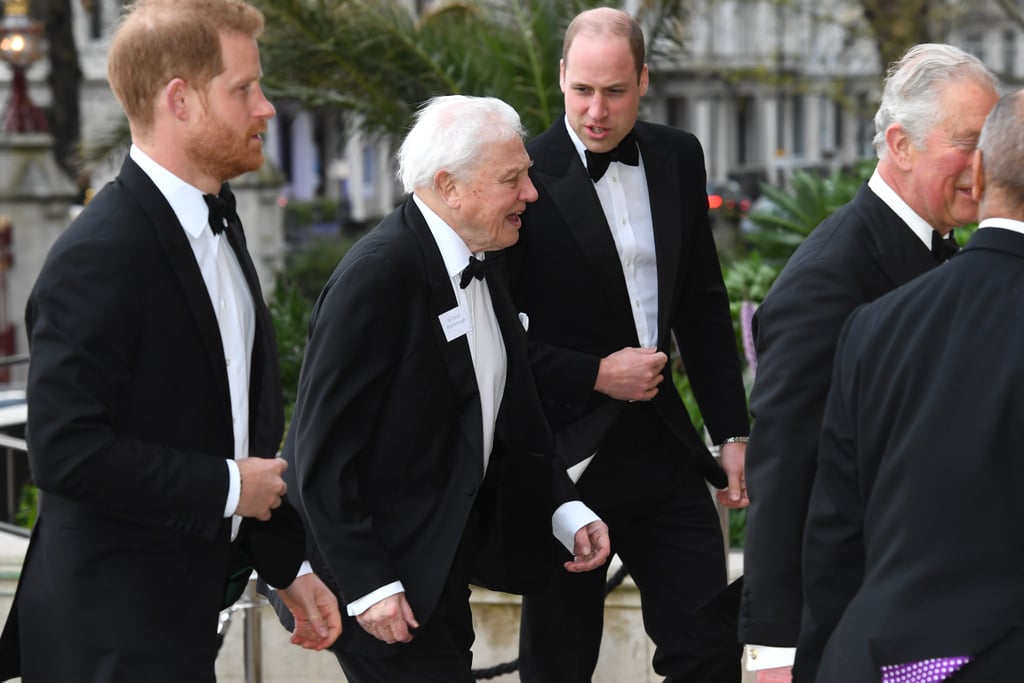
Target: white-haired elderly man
x=897, y=227
x=418, y=450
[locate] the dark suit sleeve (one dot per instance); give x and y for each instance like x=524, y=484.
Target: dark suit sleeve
x=833, y=560
x=796, y=329
x=85, y=322
x=565, y=376
x=702, y=322
x=355, y=345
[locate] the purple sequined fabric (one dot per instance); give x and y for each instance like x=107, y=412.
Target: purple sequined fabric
x=928, y=671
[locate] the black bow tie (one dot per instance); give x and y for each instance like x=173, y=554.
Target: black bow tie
x=943, y=248
x=477, y=268
x=626, y=153
x=222, y=209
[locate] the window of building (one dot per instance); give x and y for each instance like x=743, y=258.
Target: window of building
x=839, y=117
x=95, y=12
x=799, y=127
x=677, y=112
x=865, y=126
x=744, y=129
x=974, y=43
x=1009, y=52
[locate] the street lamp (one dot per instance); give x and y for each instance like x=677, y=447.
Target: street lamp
x=21, y=45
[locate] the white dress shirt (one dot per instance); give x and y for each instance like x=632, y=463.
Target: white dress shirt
x=626, y=203
x=1004, y=223
x=231, y=300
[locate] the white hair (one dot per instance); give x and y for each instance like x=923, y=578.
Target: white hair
x=914, y=87
x=449, y=133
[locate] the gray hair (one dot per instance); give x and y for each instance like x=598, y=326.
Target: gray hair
x=914, y=86
x=1002, y=145
x=449, y=133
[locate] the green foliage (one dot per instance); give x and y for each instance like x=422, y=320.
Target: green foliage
x=299, y=214
x=307, y=268
x=28, y=507
x=682, y=384
x=792, y=214
x=737, y=527
x=964, y=233
x=747, y=279
x=298, y=285
x=290, y=313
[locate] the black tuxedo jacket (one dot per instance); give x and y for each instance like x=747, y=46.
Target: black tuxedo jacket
x=569, y=280
x=859, y=253
x=915, y=540
x=385, y=446
x=128, y=431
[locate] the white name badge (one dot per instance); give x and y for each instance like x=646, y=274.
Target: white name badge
x=455, y=323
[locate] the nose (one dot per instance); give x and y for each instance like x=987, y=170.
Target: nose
x=264, y=109
x=596, y=110
x=529, y=193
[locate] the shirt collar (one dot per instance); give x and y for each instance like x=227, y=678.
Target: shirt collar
x=453, y=250
x=918, y=225
x=581, y=149
x=1007, y=223
x=186, y=200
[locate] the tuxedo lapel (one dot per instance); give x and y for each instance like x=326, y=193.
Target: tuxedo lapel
x=897, y=250
x=520, y=396
x=572, y=191
x=265, y=372
x=663, y=184
x=171, y=237
x=458, y=361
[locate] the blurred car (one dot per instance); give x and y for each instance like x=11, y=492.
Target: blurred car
x=726, y=201
x=762, y=206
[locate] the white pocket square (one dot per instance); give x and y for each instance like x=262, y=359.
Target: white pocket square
x=525, y=320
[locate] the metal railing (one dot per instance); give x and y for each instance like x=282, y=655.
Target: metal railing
x=14, y=449
x=252, y=648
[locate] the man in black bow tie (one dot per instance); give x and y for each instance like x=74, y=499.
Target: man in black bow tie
x=153, y=391
x=615, y=258
x=913, y=543
x=897, y=227
x=418, y=447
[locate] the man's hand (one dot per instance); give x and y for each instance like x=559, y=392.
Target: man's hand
x=389, y=620
x=262, y=486
x=591, y=548
x=733, y=462
x=631, y=374
x=315, y=610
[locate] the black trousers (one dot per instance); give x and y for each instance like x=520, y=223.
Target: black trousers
x=664, y=527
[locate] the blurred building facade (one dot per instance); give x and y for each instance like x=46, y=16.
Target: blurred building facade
x=768, y=86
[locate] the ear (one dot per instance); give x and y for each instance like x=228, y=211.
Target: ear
x=448, y=189
x=977, y=177
x=176, y=98
x=901, y=148
x=561, y=74
x=645, y=79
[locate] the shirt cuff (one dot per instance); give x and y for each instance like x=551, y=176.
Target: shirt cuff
x=234, y=488
x=568, y=519
x=364, y=603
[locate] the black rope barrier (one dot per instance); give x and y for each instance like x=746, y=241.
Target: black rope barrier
x=508, y=667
